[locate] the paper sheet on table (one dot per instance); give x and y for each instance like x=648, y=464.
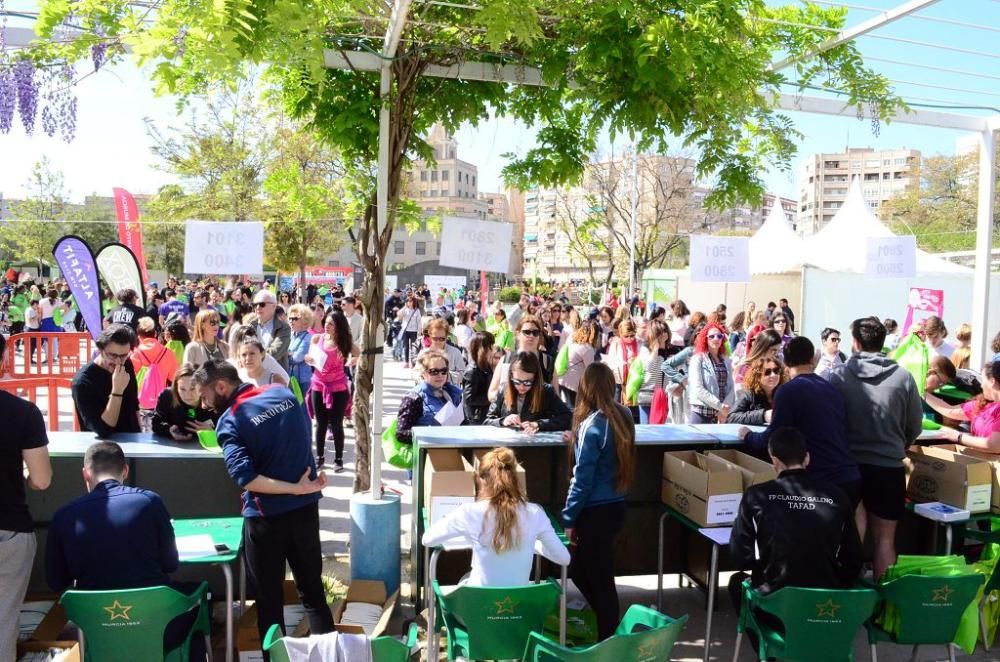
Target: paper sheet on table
x=720, y=535
x=318, y=355
x=194, y=547
x=450, y=414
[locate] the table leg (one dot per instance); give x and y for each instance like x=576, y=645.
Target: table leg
x=243, y=584
x=713, y=580
x=228, y=572
x=947, y=538
x=562, y=605
x=659, y=565
x=433, y=645
x=428, y=592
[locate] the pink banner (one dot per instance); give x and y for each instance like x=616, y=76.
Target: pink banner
x=484, y=293
x=923, y=303
x=129, y=229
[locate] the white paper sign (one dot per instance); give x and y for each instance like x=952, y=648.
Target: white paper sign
x=723, y=508
x=195, y=547
x=223, y=248
x=891, y=257
x=450, y=414
x=437, y=283
x=720, y=259
x=391, y=283
x=476, y=245
x=318, y=355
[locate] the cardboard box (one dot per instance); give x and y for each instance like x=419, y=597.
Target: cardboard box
x=522, y=479
x=753, y=470
x=704, y=488
x=991, y=458
x=937, y=474
x=371, y=592
x=71, y=648
x=248, y=643
x=448, y=482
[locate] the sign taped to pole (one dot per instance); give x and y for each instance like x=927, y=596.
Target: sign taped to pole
x=223, y=248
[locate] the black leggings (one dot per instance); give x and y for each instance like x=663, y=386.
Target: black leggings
x=409, y=337
x=332, y=418
x=592, y=567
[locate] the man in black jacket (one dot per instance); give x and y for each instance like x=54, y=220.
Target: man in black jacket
x=794, y=530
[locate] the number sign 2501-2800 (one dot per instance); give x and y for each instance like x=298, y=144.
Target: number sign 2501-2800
x=720, y=259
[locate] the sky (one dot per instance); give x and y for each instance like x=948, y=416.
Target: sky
x=112, y=147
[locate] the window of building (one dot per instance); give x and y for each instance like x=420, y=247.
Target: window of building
x=855, y=165
x=886, y=162
x=423, y=225
x=899, y=162
x=434, y=175
x=871, y=163
x=444, y=175
x=466, y=178
x=437, y=247
x=451, y=153
x=423, y=175
x=398, y=247
x=421, y=247
x=886, y=175
x=473, y=180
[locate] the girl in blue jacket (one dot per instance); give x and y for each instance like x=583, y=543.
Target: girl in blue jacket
x=602, y=447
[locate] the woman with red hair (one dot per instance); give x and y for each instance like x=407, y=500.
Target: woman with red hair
x=710, y=377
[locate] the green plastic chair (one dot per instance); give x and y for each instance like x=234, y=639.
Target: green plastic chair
x=820, y=624
x=992, y=582
x=644, y=635
x=930, y=609
x=493, y=623
x=384, y=649
x=143, y=615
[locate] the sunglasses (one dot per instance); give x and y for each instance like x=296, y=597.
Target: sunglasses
x=715, y=336
x=834, y=339
x=522, y=382
x=260, y=304
x=780, y=322
x=437, y=372
x=771, y=371
x=530, y=332
x=294, y=319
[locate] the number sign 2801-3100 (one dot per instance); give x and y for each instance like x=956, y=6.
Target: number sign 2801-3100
x=720, y=259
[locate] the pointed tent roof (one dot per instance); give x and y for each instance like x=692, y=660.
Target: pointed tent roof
x=841, y=245
x=775, y=248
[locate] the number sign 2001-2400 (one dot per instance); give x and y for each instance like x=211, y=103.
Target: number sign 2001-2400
x=720, y=259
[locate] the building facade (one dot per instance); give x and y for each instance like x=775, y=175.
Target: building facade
x=826, y=178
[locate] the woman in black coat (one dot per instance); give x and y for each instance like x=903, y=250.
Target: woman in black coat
x=754, y=403
x=178, y=413
x=483, y=359
x=528, y=403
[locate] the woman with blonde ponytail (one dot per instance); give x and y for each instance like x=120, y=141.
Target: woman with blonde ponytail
x=501, y=527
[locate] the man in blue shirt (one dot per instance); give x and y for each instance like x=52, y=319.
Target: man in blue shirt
x=266, y=442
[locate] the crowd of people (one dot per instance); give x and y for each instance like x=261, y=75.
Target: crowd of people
x=255, y=366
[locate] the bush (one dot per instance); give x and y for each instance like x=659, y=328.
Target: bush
x=510, y=295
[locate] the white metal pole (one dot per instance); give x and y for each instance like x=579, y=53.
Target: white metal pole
x=635, y=211
x=984, y=244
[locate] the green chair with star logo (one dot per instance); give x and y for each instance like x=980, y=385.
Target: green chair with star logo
x=644, y=635
x=804, y=624
x=493, y=623
x=128, y=625
x=928, y=610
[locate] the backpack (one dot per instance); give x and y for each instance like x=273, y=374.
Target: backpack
x=150, y=380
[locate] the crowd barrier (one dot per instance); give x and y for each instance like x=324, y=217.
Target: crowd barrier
x=28, y=387
x=47, y=362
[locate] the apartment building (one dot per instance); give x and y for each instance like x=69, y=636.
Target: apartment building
x=825, y=179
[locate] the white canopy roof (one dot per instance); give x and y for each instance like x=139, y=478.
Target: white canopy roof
x=775, y=248
x=841, y=245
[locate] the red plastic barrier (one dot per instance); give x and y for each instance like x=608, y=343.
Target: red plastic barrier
x=73, y=352
x=27, y=387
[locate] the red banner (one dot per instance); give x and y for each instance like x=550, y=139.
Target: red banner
x=328, y=275
x=129, y=229
x=484, y=294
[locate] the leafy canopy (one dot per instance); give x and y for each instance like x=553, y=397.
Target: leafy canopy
x=655, y=70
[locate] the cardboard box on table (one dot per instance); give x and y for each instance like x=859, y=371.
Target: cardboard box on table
x=704, y=488
x=371, y=592
x=522, y=479
x=448, y=482
x=248, y=642
x=753, y=470
x=938, y=474
x=71, y=649
x=992, y=459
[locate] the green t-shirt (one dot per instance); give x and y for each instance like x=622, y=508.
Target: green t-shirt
x=16, y=313
x=20, y=300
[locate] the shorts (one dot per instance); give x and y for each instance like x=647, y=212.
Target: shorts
x=853, y=491
x=883, y=491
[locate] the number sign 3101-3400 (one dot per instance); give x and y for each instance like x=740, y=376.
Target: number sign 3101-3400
x=720, y=259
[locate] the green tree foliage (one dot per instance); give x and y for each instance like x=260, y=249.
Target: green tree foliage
x=941, y=213
x=38, y=221
x=695, y=69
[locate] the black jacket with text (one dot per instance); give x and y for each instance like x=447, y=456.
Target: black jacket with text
x=795, y=531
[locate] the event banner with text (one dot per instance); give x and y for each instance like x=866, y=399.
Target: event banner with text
x=76, y=263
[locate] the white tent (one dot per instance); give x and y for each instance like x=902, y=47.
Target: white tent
x=842, y=244
x=775, y=248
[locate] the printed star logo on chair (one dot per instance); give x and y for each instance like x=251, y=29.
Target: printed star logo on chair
x=118, y=610
x=942, y=594
x=646, y=651
x=505, y=606
x=828, y=608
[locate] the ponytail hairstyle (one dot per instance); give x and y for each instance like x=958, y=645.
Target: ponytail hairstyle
x=596, y=393
x=497, y=478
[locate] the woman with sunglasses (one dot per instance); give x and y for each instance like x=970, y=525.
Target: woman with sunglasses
x=528, y=403
x=483, y=360
x=830, y=356
x=711, y=389
x=530, y=337
x=300, y=318
x=756, y=400
x=284, y=300
x=766, y=343
x=780, y=324
x=330, y=390
x=205, y=346
x=437, y=333
x=428, y=397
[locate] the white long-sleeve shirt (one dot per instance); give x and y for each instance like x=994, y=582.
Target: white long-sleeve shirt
x=471, y=526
